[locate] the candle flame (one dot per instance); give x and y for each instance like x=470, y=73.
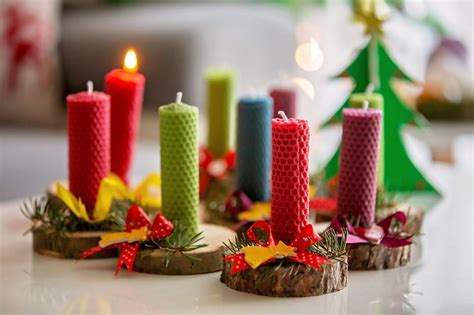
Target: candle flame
x=309, y=56
x=130, y=62
x=305, y=86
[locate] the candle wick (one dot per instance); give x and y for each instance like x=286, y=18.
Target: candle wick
x=365, y=105
x=90, y=87
x=370, y=88
x=283, y=115
x=179, y=96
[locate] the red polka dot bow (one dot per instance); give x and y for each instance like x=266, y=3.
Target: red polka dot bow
x=138, y=228
x=212, y=168
x=267, y=250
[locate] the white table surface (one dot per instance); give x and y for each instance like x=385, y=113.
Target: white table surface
x=438, y=280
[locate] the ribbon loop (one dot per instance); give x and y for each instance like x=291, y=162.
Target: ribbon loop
x=262, y=225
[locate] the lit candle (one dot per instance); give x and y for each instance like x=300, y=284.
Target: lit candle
x=88, y=126
x=290, y=177
x=125, y=87
x=284, y=99
x=254, y=146
x=359, y=163
x=179, y=164
x=375, y=101
x=221, y=111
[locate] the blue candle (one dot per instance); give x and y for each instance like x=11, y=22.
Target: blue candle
x=254, y=133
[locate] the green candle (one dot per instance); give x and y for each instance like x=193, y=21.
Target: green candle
x=179, y=164
x=375, y=101
x=221, y=111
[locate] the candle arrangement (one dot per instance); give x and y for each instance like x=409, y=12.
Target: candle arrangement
x=371, y=246
x=68, y=221
x=289, y=246
x=265, y=183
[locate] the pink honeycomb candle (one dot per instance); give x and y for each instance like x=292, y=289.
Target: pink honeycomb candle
x=88, y=126
x=358, y=164
x=290, y=177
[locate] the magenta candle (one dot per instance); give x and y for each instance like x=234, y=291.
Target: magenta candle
x=284, y=99
x=358, y=164
x=290, y=178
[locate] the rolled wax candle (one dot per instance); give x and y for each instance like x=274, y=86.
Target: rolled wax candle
x=88, y=127
x=284, y=99
x=254, y=146
x=125, y=87
x=358, y=164
x=179, y=165
x=221, y=111
x=290, y=178
x=376, y=102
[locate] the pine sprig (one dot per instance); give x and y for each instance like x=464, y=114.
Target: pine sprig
x=239, y=242
x=178, y=242
x=331, y=246
x=52, y=213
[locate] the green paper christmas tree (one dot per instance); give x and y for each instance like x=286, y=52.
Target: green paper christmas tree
x=374, y=67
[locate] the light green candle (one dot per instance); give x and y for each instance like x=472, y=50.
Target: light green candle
x=179, y=164
x=375, y=101
x=221, y=111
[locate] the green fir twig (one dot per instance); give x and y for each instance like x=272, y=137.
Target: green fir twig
x=52, y=213
x=178, y=242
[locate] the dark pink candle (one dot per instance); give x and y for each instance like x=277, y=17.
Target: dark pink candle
x=358, y=164
x=284, y=99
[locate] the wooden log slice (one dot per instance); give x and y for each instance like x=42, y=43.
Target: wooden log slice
x=291, y=280
x=68, y=245
x=377, y=257
x=209, y=257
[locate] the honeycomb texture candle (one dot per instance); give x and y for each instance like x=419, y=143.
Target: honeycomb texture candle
x=376, y=102
x=88, y=126
x=254, y=147
x=126, y=96
x=284, y=99
x=358, y=164
x=290, y=178
x=221, y=111
x=179, y=165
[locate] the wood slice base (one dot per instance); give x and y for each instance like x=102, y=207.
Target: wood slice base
x=377, y=257
x=68, y=245
x=300, y=282
x=153, y=261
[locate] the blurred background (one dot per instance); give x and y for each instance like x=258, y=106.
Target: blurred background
x=50, y=48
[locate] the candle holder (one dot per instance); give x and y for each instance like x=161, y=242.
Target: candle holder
x=162, y=247
x=384, y=245
x=311, y=265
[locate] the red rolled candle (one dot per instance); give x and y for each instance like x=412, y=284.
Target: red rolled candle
x=358, y=164
x=284, y=99
x=125, y=88
x=88, y=125
x=290, y=178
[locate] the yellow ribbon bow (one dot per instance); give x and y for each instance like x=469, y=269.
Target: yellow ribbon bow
x=258, y=211
x=257, y=255
x=147, y=193
x=120, y=237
